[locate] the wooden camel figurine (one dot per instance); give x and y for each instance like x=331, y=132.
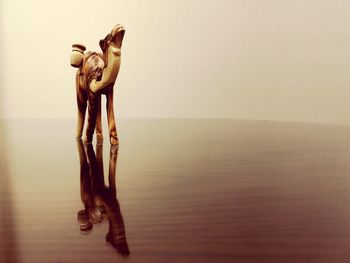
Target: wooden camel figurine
x=96, y=75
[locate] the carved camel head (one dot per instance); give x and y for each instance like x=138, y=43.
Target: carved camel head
x=115, y=38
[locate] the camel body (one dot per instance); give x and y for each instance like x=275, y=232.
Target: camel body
x=96, y=75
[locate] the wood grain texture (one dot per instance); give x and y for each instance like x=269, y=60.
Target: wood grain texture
x=189, y=191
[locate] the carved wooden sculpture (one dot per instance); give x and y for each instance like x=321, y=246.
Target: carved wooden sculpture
x=96, y=75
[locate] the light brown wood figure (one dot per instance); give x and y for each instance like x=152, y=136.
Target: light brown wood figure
x=96, y=75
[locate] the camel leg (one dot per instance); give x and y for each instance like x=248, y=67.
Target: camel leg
x=113, y=156
x=99, y=135
x=111, y=120
x=81, y=103
x=92, y=116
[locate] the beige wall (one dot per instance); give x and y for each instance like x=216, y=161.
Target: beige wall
x=255, y=59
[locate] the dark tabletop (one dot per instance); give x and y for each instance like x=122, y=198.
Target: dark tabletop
x=186, y=191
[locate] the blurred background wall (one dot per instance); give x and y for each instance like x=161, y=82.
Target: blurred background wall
x=249, y=59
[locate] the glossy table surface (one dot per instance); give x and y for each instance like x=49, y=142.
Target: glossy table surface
x=186, y=191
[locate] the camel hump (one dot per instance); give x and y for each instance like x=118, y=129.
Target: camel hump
x=93, y=67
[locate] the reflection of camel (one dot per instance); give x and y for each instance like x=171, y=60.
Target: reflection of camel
x=100, y=202
x=96, y=75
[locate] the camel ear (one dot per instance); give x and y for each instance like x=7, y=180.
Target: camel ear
x=102, y=44
x=105, y=42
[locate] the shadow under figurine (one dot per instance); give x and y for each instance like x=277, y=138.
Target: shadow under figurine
x=100, y=201
x=96, y=75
